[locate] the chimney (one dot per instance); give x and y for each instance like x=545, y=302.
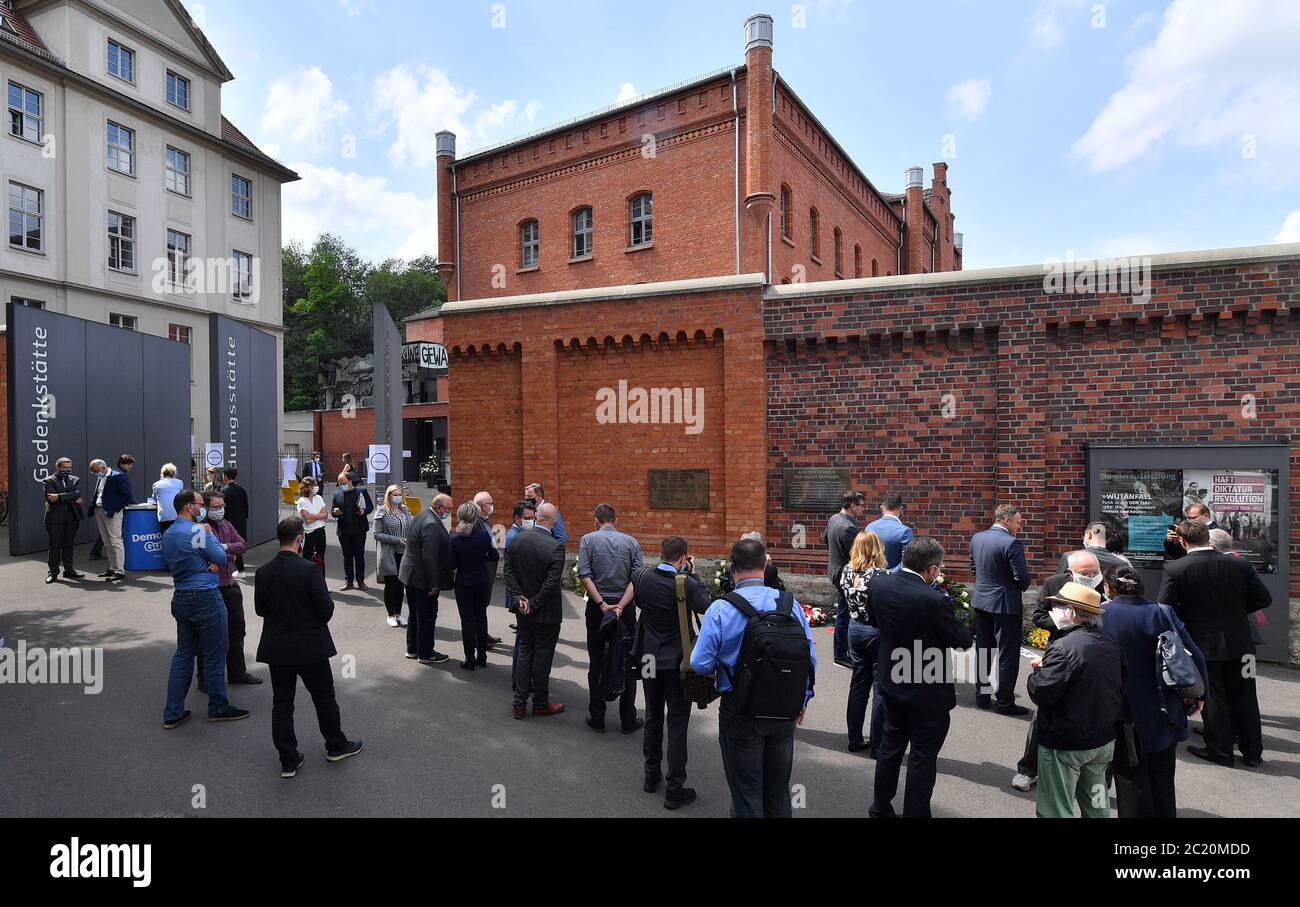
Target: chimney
x=916, y=250
x=447, y=253
x=760, y=188
x=956, y=241
x=940, y=175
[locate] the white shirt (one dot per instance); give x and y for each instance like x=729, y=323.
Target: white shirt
x=315, y=505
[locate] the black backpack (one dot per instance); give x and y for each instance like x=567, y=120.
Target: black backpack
x=774, y=669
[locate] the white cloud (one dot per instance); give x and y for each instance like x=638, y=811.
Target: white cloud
x=1045, y=28
x=1216, y=74
x=1290, y=231
x=626, y=92
x=326, y=200
x=357, y=7
x=301, y=107
x=967, y=99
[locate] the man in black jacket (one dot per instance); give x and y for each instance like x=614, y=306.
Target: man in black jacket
x=63, y=514
x=658, y=653
x=1094, y=540
x=534, y=575
x=424, y=572
x=352, y=509
x=236, y=512
x=1214, y=594
x=917, y=628
x=1197, y=512
x=1078, y=686
x=290, y=596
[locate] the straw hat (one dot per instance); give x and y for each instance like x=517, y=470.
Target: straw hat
x=1079, y=597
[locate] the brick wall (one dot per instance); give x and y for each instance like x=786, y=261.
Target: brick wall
x=336, y=435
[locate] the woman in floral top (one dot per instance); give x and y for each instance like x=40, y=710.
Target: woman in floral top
x=866, y=561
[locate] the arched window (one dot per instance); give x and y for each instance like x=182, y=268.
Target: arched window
x=814, y=239
x=640, y=215
x=875, y=268
x=839, y=251
x=785, y=212
x=529, y=244
x=582, y=232
x=857, y=260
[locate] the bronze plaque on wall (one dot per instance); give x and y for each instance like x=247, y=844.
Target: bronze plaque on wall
x=817, y=488
x=679, y=489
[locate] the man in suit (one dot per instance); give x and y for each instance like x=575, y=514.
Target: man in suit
x=424, y=572
x=114, y=497
x=1001, y=574
x=63, y=509
x=535, y=494
x=352, y=508
x=841, y=529
x=236, y=512
x=535, y=577
x=658, y=652
x=98, y=473
x=1215, y=594
x=1094, y=540
x=290, y=596
x=917, y=628
x=483, y=501
x=1197, y=512
x=523, y=518
x=891, y=531
x=314, y=469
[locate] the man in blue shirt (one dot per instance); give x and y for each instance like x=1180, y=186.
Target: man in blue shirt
x=193, y=557
x=757, y=753
x=891, y=531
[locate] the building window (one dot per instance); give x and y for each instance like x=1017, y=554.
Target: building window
x=121, y=242
x=857, y=260
x=181, y=333
x=126, y=322
x=178, y=90
x=30, y=303
x=641, y=220
x=814, y=239
x=582, y=232
x=121, y=149
x=26, y=217
x=839, y=251
x=25, y=112
x=530, y=245
x=178, y=171
x=241, y=197
x=242, y=274
x=785, y=211
x=178, y=257
x=121, y=61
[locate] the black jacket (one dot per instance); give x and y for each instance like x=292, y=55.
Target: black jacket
x=65, y=509
x=237, y=507
x=658, y=632
x=468, y=557
x=1079, y=690
x=1173, y=548
x=1105, y=557
x=346, y=502
x=910, y=616
x=535, y=571
x=1214, y=594
x=290, y=596
x=424, y=562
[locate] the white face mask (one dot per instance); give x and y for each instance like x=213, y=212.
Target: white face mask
x=1062, y=617
x=529, y=524
x=1092, y=582
x=446, y=520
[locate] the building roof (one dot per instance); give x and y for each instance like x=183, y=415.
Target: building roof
x=15, y=29
x=230, y=133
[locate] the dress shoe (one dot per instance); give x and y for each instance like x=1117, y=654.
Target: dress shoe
x=51, y=578
x=347, y=587
x=1202, y=752
x=844, y=663
x=468, y=664
x=1010, y=709
x=481, y=661
x=73, y=574
x=362, y=586
x=679, y=798
x=518, y=711
x=597, y=726
x=633, y=727
x=544, y=711
x=859, y=747
x=652, y=780
x=248, y=680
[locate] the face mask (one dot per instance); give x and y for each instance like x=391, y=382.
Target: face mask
x=446, y=520
x=64, y=473
x=217, y=515
x=491, y=507
x=203, y=514
x=1061, y=617
x=1092, y=582
x=396, y=499
x=529, y=524
x=532, y=501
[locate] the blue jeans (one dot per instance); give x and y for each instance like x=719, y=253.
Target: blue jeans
x=864, y=645
x=757, y=756
x=200, y=626
x=840, y=648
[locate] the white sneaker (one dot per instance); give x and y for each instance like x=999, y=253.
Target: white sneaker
x=1022, y=781
x=401, y=621
x=238, y=574
x=392, y=621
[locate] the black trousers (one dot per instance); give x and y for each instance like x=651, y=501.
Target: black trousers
x=595, y=655
x=664, y=691
x=997, y=641
x=472, y=603
x=242, y=528
x=533, y=667
x=62, y=537
x=313, y=543
x=236, y=667
x=421, y=621
x=924, y=729
x=354, y=555
x=1232, y=711
x=1028, y=764
x=319, y=682
x=1149, y=794
x=393, y=593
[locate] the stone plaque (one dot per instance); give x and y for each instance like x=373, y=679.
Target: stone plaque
x=818, y=489
x=679, y=489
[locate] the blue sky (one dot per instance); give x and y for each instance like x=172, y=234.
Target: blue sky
x=1070, y=126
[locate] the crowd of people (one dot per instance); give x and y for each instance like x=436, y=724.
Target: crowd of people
x=1115, y=689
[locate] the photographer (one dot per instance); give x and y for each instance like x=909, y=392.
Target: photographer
x=658, y=656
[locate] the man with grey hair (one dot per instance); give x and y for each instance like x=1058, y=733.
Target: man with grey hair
x=997, y=558
x=535, y=577
x=1095, y=537
x=98, y=473
x=1221, y=540
x=424, y=572
x=607, y=561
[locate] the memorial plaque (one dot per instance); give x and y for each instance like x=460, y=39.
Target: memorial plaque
x=818, y=489
x=679, y=489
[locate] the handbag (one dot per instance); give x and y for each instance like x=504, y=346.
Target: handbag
x=700, y=689
x=1178, y=671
